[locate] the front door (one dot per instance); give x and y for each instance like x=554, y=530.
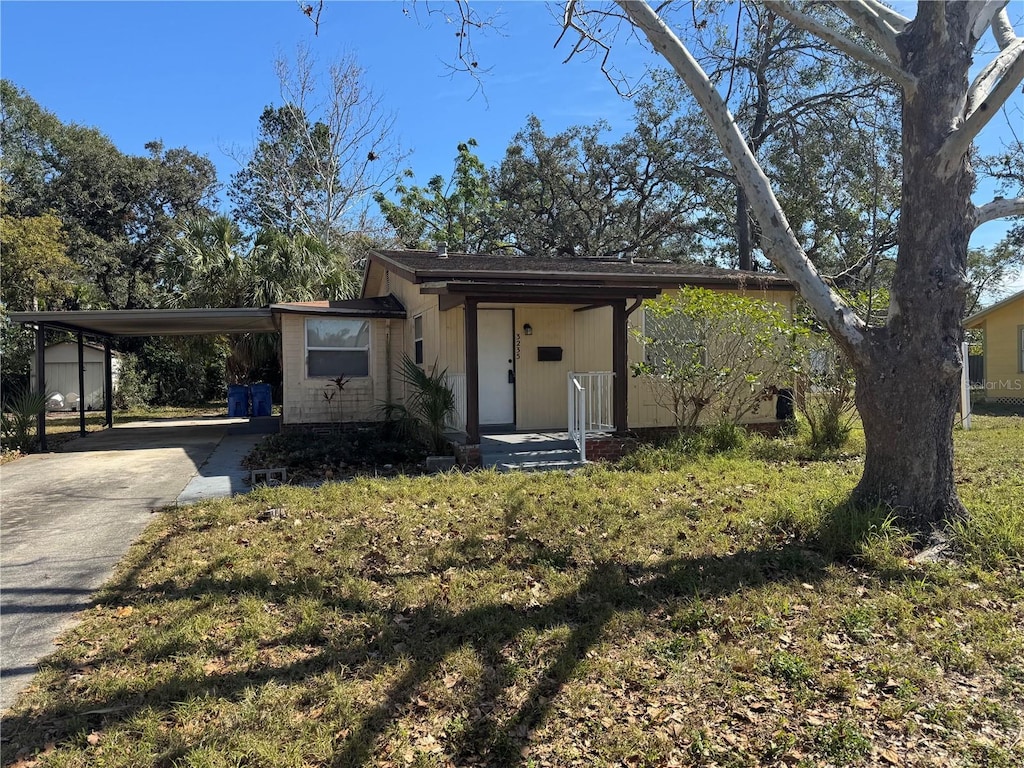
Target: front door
x=497, y=372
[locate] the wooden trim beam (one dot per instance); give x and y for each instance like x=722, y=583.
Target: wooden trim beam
x=41, y=383
x=108, y=384
x=620, y=363
x=472, y=373
x=81, y=385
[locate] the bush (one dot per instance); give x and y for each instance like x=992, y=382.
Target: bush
x=134, y=388
x=18, y=419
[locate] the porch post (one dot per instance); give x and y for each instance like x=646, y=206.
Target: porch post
x=41, y=383
x=472, y=374
x=108, y=384
x=81, y=385
x=620, y=362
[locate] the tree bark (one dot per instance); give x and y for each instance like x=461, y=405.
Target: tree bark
x=908, y=374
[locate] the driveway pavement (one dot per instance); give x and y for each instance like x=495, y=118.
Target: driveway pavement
x=68, y=518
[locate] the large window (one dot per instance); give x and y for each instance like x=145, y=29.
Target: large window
x=336, y=347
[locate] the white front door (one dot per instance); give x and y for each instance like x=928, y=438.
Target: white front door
x=497, y=378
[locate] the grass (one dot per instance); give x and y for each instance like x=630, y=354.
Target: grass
x=696, y=615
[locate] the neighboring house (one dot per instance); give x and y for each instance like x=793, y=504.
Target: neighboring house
x=61, y=375
x=510, y=331
x=1003, y=327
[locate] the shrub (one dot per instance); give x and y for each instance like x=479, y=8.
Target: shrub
x=828, y=402
x=134, y=388
x=18, y=419
x=713, y=353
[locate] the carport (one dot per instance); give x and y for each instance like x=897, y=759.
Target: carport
x=106, y=325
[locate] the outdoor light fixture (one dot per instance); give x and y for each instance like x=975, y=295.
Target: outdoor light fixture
x=528, y=329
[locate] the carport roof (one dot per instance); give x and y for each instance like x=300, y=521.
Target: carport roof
x=155, y=322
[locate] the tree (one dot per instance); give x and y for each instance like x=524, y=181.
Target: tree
x=211, y=263
x=115, y=209
x=824, y=130
x=571, y=195
x=908, y=368
x=459, y=211
x=320, y=155
x=714, y=354
x=35, y=272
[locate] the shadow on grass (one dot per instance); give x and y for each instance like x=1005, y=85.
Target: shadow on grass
x=420, y=639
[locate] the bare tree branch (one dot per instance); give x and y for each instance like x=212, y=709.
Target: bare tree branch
x=982, y=15
x=1009, y=68
x=1000, y=208
x=990, y=75
x=312, y=11
x=1002, y=29
x=896, y=21
x=779, y=239
x=867, y=19
x=847, y=46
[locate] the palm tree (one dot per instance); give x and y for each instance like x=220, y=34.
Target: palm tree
x=210, y=263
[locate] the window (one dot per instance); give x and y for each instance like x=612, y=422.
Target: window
x=417, y=339
x=336, y=347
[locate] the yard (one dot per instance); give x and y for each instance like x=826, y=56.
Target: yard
x=718, y=610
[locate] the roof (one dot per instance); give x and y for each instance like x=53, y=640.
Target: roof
x=427, y=267
x=155, y=322
x=194, y=322
x=973, y=320
x=376, y=306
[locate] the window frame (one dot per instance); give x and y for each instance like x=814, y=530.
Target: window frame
x=308, y=348
x=417, y=340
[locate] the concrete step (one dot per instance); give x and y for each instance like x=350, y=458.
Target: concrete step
x=533, y=461
x=540, y=466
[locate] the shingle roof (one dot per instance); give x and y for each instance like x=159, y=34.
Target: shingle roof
x=424, y=266
x=374, y=306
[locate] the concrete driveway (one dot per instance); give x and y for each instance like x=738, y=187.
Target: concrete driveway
x=68, y=518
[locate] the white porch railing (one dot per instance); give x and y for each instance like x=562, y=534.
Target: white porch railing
x=590, y=406
x=457, y=382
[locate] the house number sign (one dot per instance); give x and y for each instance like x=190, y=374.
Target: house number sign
x=519, y=341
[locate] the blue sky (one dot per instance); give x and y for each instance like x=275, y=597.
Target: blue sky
x=198, y=74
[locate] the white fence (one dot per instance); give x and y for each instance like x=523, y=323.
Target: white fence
x=590, y=406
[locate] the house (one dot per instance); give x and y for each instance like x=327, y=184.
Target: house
x=516, y=335
x=1003, y=327
x=61, y=375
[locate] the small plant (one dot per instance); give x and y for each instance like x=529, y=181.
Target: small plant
x=429, y=404
x=794, y=669
x=18, y=419
x=336, y=395
x=842, y=742
x=828, y=400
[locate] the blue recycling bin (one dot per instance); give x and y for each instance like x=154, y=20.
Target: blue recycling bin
x=238, y=400
x=261, y=401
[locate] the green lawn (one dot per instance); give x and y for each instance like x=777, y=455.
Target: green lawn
x=697, y=615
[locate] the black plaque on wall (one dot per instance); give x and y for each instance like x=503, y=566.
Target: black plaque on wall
x=549, y=354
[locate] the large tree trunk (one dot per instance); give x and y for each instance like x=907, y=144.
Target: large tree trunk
x=908, y=373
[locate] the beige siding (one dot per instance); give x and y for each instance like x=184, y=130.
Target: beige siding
x=541, y=386
x=304, y=401
x=1003, y=375
x=585, y=338
x=592, y=347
